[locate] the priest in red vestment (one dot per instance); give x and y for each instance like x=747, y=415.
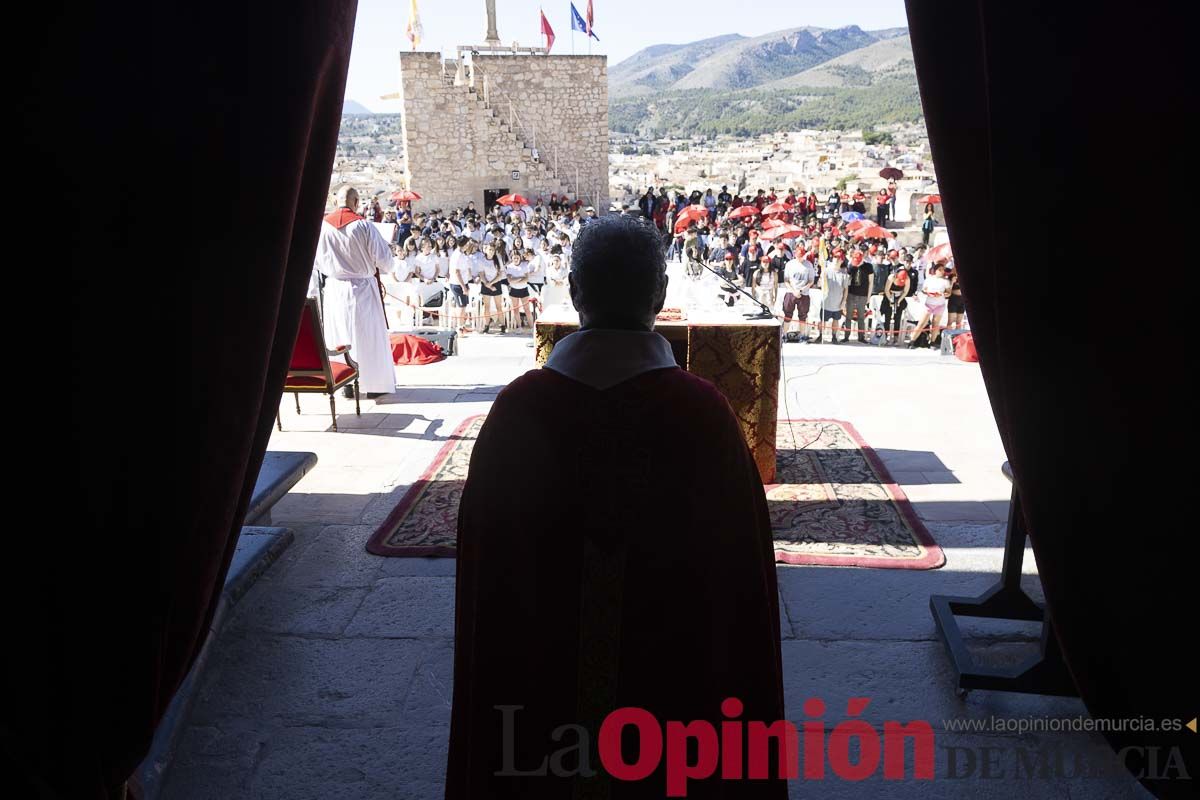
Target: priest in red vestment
x=614, y=552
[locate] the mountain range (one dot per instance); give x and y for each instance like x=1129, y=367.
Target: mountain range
x=741, y=62
x=797, y=77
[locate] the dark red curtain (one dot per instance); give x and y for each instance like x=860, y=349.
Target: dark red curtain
x=1055, y=131
x=173, y=168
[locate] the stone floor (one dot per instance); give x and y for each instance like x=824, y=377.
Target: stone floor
x=333, y=680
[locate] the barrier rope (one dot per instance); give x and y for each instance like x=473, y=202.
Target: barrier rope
x=436, y=311
x=535, y=302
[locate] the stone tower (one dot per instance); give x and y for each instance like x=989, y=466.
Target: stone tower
x=505, y=120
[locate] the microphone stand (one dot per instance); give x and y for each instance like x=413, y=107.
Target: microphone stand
x=764, y=311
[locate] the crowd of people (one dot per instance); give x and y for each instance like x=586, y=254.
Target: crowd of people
x=513, y=252
x=793, y=251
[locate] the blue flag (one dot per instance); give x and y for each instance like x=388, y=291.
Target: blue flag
x=577, y=23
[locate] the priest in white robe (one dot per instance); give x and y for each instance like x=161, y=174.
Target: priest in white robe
x=349, y=252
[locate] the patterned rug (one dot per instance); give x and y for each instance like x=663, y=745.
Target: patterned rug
x=836, y=504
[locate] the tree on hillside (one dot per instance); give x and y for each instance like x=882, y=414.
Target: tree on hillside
x=872, y=136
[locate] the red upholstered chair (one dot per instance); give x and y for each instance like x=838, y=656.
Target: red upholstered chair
x=311, y=370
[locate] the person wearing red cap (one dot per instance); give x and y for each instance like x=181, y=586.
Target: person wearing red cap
x=752, y=251
x=799, y=277
x=762, y=280
x=780, y=255
x=724, y=263
x=858, y=295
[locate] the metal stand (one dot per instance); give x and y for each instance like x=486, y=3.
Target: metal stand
x=1044, y=673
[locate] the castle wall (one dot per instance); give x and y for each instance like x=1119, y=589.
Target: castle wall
x=563, y=100
x=455, y=148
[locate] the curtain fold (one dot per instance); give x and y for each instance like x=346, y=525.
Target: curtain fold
x=1051, y=127
x=177, y=161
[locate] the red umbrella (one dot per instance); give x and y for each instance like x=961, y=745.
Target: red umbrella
x=777, y=208
x=772, y=223
x=891, y=173
x=940, y=253
x=933, y=198
x=742, y=211
x=872, y=231
x=405, y=196
x=511, y=200
x=689, y=215
x=854, y=225
x=783, y=232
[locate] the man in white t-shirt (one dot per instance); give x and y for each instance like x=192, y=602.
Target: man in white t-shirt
x=799, y=276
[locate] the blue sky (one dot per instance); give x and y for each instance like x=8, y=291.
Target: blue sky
x=624, y=27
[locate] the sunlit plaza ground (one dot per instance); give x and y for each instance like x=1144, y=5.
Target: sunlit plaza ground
x=333, y=677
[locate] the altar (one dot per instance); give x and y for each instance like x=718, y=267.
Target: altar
x=740, y=357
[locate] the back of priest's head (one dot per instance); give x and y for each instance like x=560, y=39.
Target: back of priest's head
x=618, y=272
x=347, y=197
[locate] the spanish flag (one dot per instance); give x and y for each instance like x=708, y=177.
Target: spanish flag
x=413, y=30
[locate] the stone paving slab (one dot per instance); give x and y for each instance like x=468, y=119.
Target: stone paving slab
x=288, y=680
x=409, y=607
x=282, y=607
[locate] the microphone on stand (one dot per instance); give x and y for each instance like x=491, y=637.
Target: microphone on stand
x=765, y=310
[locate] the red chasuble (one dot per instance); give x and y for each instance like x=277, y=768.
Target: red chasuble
x=614, y=550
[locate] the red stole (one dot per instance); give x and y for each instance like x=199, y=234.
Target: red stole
x=341, y=218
